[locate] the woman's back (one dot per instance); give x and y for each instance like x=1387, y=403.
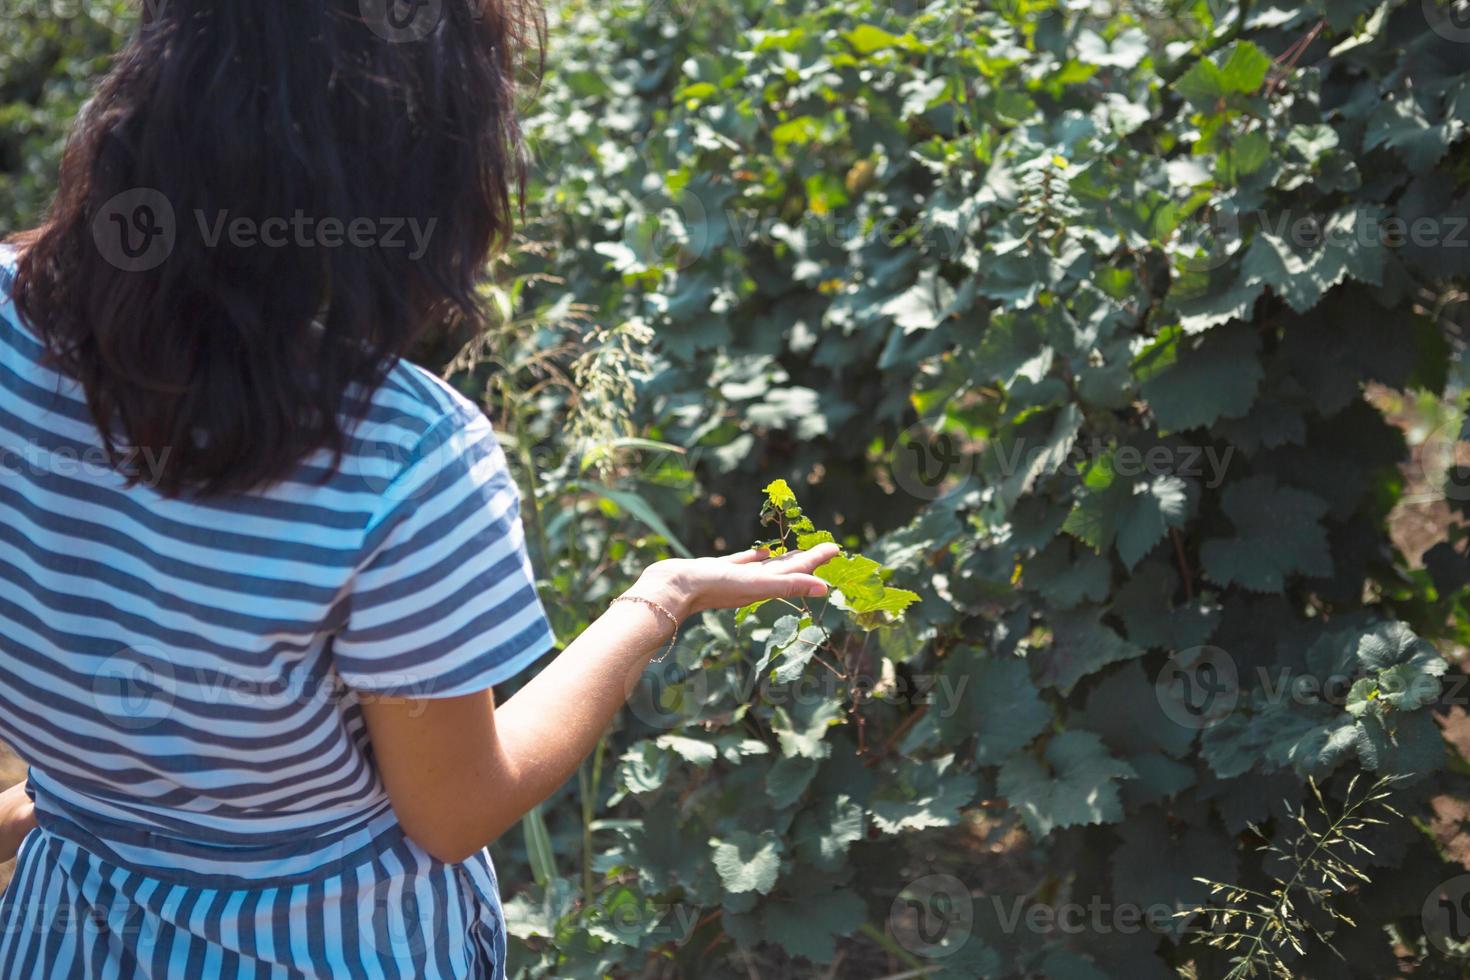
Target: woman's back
x=184, y=674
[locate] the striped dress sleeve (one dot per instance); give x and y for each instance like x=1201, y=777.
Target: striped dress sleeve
x=444, y=602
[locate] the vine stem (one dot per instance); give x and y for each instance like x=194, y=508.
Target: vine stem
x=894, y=949
x=903, y=729
x=588, y=786
x=1286, y=61
x=835, y=672
x=1184, y=571
x=533, y=508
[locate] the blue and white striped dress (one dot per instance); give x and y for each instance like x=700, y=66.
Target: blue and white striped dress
x=184, y=679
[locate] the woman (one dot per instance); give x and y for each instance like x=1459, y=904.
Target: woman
x=259, y=575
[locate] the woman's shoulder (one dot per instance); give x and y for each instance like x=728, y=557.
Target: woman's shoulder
x=418, y=399
x=8, y=257
x=415, y=420
x=16, y=334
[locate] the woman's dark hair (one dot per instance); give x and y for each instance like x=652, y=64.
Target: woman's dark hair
x=265, y=204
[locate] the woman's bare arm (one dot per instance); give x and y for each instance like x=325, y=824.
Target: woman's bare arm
x=17, y=818
x=461, y=771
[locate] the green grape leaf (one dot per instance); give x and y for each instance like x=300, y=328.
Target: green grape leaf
x=1081, y=645
x=925, y=795
x=1405, y=744
x=783, y=634
x=1112, y=510
x=1278, y=533
x=1405, y=669
x=1245, y=69
x=1348, y=245
x=868, y=39
x=799, y=653
x=1055, y=446
x=1151, y=509
x=1151, y=616
x=1242, y=72
x=779, y=495
x=995, y=701
x=814, y=538
x=860, y=580
x=1144, y=727
x=1400, y=124
x=1065, y=580
x=1408, y=688
x=745, y=612
x=1275, y=735
x=1074, y=783
x=803, y=729
x=1192, y=382
x=824, y=833
x=746, y=862
x=1159, y=778
x=693, y=750
x=788, y=779
x=1394, y=644
x=808, y=927
x=923, y=306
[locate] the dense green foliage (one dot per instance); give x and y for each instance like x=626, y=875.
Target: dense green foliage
x=1121, y=278
x=47, y=64
x=1130, y=275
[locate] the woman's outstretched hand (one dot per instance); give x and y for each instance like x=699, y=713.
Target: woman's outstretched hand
x=460, y=771
x=690, y=585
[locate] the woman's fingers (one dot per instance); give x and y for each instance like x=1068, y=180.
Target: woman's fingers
x=802, y=562
x=805, y=585
x=785, y=587
x=791, y=574
x=787, y=577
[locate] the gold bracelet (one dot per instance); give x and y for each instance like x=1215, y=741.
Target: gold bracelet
x=665, y=613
